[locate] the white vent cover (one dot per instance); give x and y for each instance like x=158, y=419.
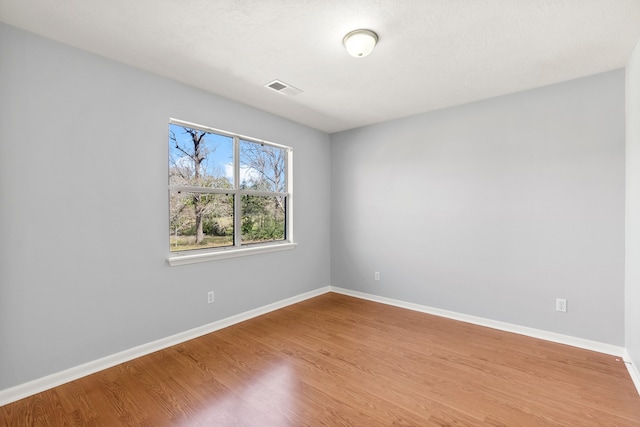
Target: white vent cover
x=283, y=88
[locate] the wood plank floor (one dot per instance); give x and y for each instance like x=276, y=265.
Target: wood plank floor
x=339, y=361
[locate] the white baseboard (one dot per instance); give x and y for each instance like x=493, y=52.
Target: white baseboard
x=41, y=384
x=633, y=370
x=503, y=326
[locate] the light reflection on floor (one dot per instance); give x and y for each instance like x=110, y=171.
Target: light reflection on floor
x=265, y=399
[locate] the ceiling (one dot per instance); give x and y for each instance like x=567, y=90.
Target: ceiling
x=431, y=54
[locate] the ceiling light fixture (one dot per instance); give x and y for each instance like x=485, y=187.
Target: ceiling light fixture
x=360, y=43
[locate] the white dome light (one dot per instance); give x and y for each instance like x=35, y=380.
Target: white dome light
x=360, y=43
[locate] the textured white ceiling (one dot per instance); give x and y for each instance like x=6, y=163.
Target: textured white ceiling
x=431, y=54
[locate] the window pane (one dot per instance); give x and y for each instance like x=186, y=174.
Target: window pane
x=262, y=167
x=263, y=219
x=199, y=220
x=199, y=158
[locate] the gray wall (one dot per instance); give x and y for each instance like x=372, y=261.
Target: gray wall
x=84, y=210
x=492, y=209
x=632, y=298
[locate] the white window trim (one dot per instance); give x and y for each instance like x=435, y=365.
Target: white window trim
x=212, y=254
x=228, y=252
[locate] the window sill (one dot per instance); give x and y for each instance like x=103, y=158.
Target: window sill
x=193, y=258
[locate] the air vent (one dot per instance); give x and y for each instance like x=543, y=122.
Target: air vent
x=283, y=88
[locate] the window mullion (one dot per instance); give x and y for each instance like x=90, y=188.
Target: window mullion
x=262, y=193
x=203, y=190
x=237, y=198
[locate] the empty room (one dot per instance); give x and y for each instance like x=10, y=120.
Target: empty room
x=306, y=213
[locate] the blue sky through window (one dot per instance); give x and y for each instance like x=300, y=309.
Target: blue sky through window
x=218, y=151
x=258, y=162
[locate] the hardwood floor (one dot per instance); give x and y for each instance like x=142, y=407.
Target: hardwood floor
x=339, y=361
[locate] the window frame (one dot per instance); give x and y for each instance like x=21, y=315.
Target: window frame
x=238, y=249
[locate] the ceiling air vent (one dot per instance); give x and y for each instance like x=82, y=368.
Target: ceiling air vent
x=283, y=88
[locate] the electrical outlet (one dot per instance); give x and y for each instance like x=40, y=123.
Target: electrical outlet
x=561, y=305
x=209, y=297
x=376, y=275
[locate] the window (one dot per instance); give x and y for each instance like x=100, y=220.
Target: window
x=229, y=194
